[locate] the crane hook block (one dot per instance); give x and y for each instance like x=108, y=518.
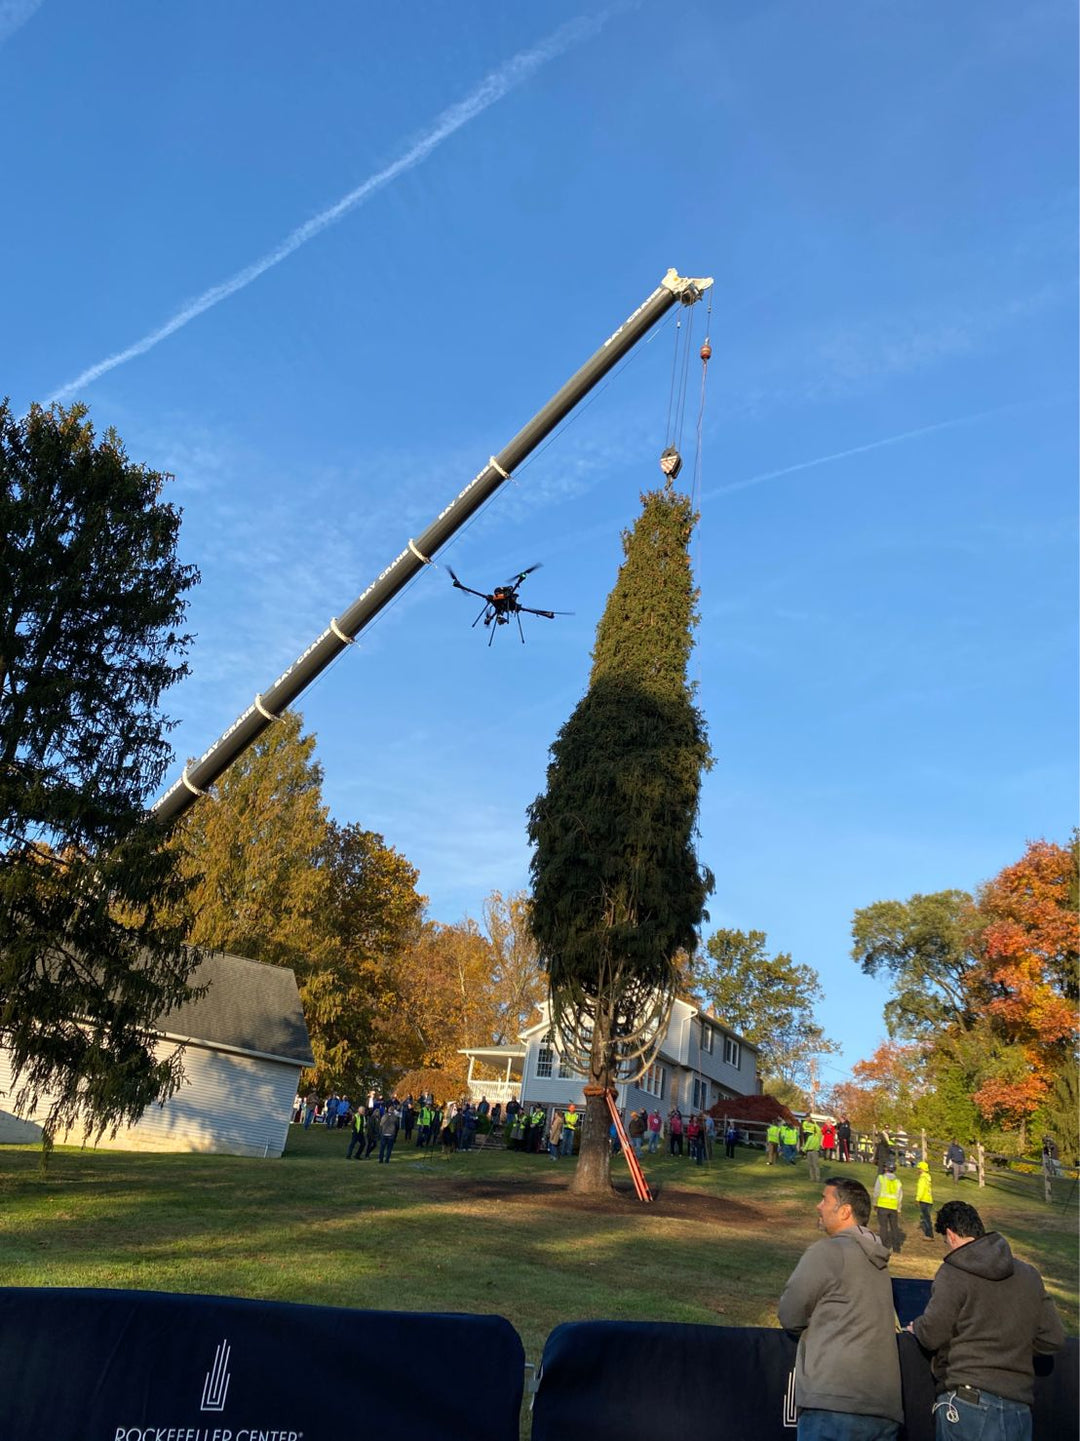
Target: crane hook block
x=706, y=351
x=671, y=462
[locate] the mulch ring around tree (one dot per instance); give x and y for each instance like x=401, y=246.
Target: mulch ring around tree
x=668, y=1200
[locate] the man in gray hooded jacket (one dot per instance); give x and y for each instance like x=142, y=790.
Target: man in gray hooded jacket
x=839, y=1300
x=988, y=1315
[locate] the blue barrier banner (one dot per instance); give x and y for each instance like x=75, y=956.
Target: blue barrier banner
x=910, y=1297
x=641, y=1381
x=86, y=1365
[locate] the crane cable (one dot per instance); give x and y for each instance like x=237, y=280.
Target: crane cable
x=695, y=485
x=705, y=353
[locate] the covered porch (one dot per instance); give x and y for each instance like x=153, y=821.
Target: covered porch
x=509, y=1060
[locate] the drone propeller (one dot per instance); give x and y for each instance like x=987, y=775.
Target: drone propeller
x=516, y=580
x=468, y=588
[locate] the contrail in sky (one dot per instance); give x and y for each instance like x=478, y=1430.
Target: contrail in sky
x=497, y=84
x=855, y=450
x=14, y=13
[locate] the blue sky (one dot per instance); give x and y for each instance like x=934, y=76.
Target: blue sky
x=322, y=260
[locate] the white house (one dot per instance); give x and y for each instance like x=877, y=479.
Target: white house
x=245, y=1043
x=700, y=1062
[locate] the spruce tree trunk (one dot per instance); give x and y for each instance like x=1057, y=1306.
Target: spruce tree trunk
x=592, y=1176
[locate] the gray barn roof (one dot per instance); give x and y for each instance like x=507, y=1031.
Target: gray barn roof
x=248, y=1006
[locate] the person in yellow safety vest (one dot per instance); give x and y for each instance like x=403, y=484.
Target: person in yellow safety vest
x=888, y=1198
x=570, y=1125
x=537, y=1120
x=423, y=1134
x=789, y=1141
x=772, y=1142
x=356, y=1138
x=812, y=1148
x=924, y=1196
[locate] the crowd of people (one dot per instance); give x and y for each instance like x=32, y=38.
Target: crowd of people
x=532, y=1128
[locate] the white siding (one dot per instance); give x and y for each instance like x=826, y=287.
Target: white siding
x=235, y=1105
x=682, y=1056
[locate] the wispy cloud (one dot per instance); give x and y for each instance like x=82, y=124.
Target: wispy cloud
x=14, y=14
x=498, y=84
x=887, y=440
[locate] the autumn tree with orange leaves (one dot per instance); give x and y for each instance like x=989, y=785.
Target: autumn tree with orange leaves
x=984, y=1000
x=1028, y=975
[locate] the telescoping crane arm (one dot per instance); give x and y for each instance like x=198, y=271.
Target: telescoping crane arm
x=343, y=630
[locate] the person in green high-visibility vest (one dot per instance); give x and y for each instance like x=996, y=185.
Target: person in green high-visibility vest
x=924, y=1198
x=888, y=1198
x=812, y=1148
x=772, y=1142
x=789, y=1142
x=570, y=1125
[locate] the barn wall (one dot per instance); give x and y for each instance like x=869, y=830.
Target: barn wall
x=234, y=1105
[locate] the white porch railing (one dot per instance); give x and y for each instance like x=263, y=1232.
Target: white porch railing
x=494, y=1090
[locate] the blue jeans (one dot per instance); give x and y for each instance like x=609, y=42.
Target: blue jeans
x=845, y=1426
x=568, y=1140
x=386, y=1145
x=991, y=1418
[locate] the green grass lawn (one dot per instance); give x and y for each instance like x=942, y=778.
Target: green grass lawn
x=486, y=1231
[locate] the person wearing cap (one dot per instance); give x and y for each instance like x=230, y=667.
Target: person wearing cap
x=987, y=1318
x=924, y=1198
x=888, y=1198
x=636, y=1130
x=570, y=1124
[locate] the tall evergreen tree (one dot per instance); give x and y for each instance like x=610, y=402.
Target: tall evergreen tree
x=617, y=888
x=253, y=853
x=91, y=605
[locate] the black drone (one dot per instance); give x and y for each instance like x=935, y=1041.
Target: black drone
x=503, y=603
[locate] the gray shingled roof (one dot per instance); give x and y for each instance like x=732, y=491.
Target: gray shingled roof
x=249, y=1006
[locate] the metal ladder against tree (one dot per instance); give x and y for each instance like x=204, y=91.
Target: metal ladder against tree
x=641, y=1186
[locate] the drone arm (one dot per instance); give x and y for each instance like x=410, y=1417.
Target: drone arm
x=469, y=591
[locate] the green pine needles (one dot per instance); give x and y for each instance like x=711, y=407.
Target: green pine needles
x=617, y=888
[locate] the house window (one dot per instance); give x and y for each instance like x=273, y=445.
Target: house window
x=653, y=1081
x=701, y=1095
x=566, y=1071
x=731, y=1052
x=707, y=1034
x=544, y=1058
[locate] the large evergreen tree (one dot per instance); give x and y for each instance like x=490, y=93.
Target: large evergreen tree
x=276, y=880
x=91, y=601
x=617, y=888
x=253, y=853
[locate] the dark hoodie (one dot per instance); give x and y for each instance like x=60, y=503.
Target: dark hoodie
x=839, y=1297
x=988, y=1314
